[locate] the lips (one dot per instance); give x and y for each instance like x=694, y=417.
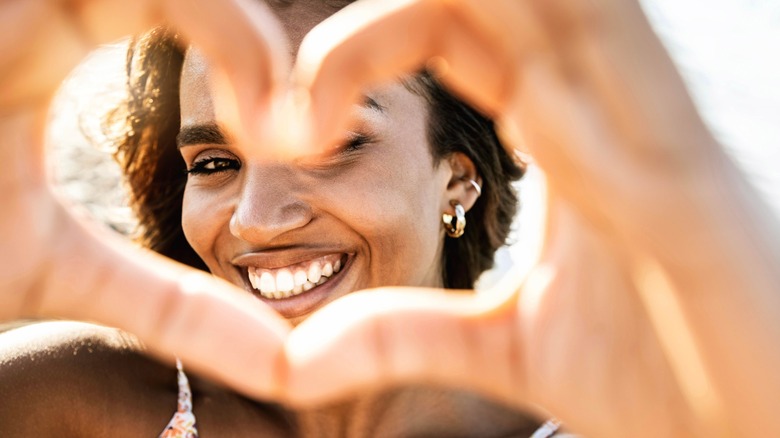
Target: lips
x=294, y=286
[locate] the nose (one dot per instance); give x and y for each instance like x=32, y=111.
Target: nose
x=269, y=205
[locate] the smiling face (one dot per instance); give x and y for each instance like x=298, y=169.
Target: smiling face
x=301, y=233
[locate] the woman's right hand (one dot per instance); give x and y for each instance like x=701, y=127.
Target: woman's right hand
x=643, y=203
x=54, y=264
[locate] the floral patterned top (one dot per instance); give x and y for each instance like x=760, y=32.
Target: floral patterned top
x=182, y=425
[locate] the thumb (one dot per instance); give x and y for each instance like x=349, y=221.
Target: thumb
x=395, y=336
x=216, y=329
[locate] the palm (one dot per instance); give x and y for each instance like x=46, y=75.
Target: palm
x=589, y=346
x=30, y=220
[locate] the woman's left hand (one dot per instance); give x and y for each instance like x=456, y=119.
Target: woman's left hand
x=54, y=264
x=642, y=203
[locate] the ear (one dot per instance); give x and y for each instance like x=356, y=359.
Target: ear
x=465, y=183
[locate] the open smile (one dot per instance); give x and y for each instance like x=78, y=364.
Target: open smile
x=296, y=289
x=293, y=280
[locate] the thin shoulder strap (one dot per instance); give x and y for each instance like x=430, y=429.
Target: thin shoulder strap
x=182, y=425
x=548, y=429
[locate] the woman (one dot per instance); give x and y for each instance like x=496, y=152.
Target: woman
x=469, y=167
x=630, y=208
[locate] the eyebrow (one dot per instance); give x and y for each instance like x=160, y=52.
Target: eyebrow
x=211, y=133
x=372, y=104
x=208, y=133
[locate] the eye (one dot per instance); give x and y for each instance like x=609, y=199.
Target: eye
x=354, y=142
x=213, y=165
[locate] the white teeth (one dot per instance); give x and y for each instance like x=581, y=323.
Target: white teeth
x=267, y=283
x=315, y=272
x=300, y=278
x=253, y=277
x=284, y=281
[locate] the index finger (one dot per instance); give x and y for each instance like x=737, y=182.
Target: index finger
x=214, y=328
x=373, y=41
x=41, y=41
x=407, y=335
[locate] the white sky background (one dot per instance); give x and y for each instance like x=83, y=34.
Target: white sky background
x=729, y=53
x=727, y=50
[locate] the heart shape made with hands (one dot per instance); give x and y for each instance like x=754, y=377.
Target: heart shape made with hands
x=562, y=79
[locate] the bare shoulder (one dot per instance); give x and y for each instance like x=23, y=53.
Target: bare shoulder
x=52, y=338
x=69, y=379
x=75, y=379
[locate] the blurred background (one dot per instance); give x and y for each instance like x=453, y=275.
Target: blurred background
x=728, y=51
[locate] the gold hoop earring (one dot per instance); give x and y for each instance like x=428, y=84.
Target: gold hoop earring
x=457, y=228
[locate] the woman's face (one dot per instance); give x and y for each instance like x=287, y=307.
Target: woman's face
x=301, y=233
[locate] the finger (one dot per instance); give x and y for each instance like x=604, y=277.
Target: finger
x=30, y=32
x=373, y=41
x=240, y=36
x=613, y=52
x=214, y=328
x=386, y=337
x=249, y=49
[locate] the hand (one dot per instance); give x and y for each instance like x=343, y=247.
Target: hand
x=53, y=264
x=637, y=185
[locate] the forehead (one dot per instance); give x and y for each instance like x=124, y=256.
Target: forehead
x=298, y=17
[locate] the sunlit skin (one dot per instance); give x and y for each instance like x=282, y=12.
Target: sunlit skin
x=639, y=191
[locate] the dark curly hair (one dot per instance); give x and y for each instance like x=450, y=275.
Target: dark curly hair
x=155, y=173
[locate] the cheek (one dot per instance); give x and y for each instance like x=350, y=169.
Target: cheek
x=202, y=220
x=395, y=209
